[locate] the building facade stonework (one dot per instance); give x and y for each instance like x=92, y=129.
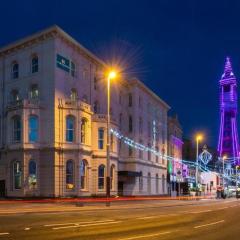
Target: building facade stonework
x=53, y=135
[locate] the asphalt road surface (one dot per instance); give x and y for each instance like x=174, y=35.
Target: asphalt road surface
x=199, y=219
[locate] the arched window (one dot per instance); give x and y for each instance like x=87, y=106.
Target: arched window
x=17, y=175
x=149, y=183
x=101, y=176
x=69, y=174
x=157, y=184
x=33, y=128
x=34, y=64
x=15, y=70
x=83, y=174
x=112, y=177
x=32, y=172
x=140, y=182
x=163, y=183
x=84, y=130
x=34, y=92
x=100, y=138
x=70, y=128
x=73, y=95
x=96, y=107
x=15, y=97
x=17, y=128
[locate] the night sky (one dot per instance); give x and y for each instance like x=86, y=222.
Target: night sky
x=176, y=47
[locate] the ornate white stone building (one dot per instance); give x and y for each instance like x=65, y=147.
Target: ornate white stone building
x=53, y=123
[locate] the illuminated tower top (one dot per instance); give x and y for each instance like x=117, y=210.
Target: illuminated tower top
x=228, y=137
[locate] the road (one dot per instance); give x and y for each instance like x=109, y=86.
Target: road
x=199, y=219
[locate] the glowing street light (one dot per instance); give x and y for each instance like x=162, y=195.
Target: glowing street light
x=199, y=138
x=111, y=75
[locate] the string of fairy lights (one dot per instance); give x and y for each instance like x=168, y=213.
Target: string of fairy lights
x=139, y=146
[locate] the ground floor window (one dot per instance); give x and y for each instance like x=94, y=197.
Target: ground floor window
x=101, y=176
x=83, y=174
x=17, y=175
x=70, y=174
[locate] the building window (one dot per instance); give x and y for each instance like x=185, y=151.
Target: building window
x=73, y=95
x=83, y=174
x=84, y=130
x=140, y=125
x=120, y=121
x=95, y=82
x=101, y=176
x=149, y=183
x=111, y=142
x=120, y=98
x=140, y=182
x=130, y=124
x=157, y=184
x=100, y=138
x=34, y=92
x=96, y=107
x=34, y=64
x=149, y=129
x=157, y=152
x=15, y=97
x=130, y=100
x=32, y=172
x=149, y=152
x=163, y=183
x=15, y=70
x=17, y=175
x=73, y=69
x=112, y=177
x=140, y=153
x=33, y=128
x=130, y=151
x=17, y=128
x=69, y=174
x=140, y=101
x=70, y=128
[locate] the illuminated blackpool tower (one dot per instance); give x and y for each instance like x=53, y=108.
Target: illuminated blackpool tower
x=228, y=144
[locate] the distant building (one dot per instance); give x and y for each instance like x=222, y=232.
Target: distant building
x=53, y=123
x=177, y=171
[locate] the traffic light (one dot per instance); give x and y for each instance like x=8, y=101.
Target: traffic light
x=237, y=167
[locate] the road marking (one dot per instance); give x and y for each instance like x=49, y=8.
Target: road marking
x=209, y=224
x=145, y=236
x=204, y=211
x=6, y=233
x=86, y=225
x=223, y=208
x=72, y=223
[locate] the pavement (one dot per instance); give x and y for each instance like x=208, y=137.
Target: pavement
x=123, y=220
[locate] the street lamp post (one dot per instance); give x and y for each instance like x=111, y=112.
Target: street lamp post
x=223, y=182
x=111, y=75
x=198, y=138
